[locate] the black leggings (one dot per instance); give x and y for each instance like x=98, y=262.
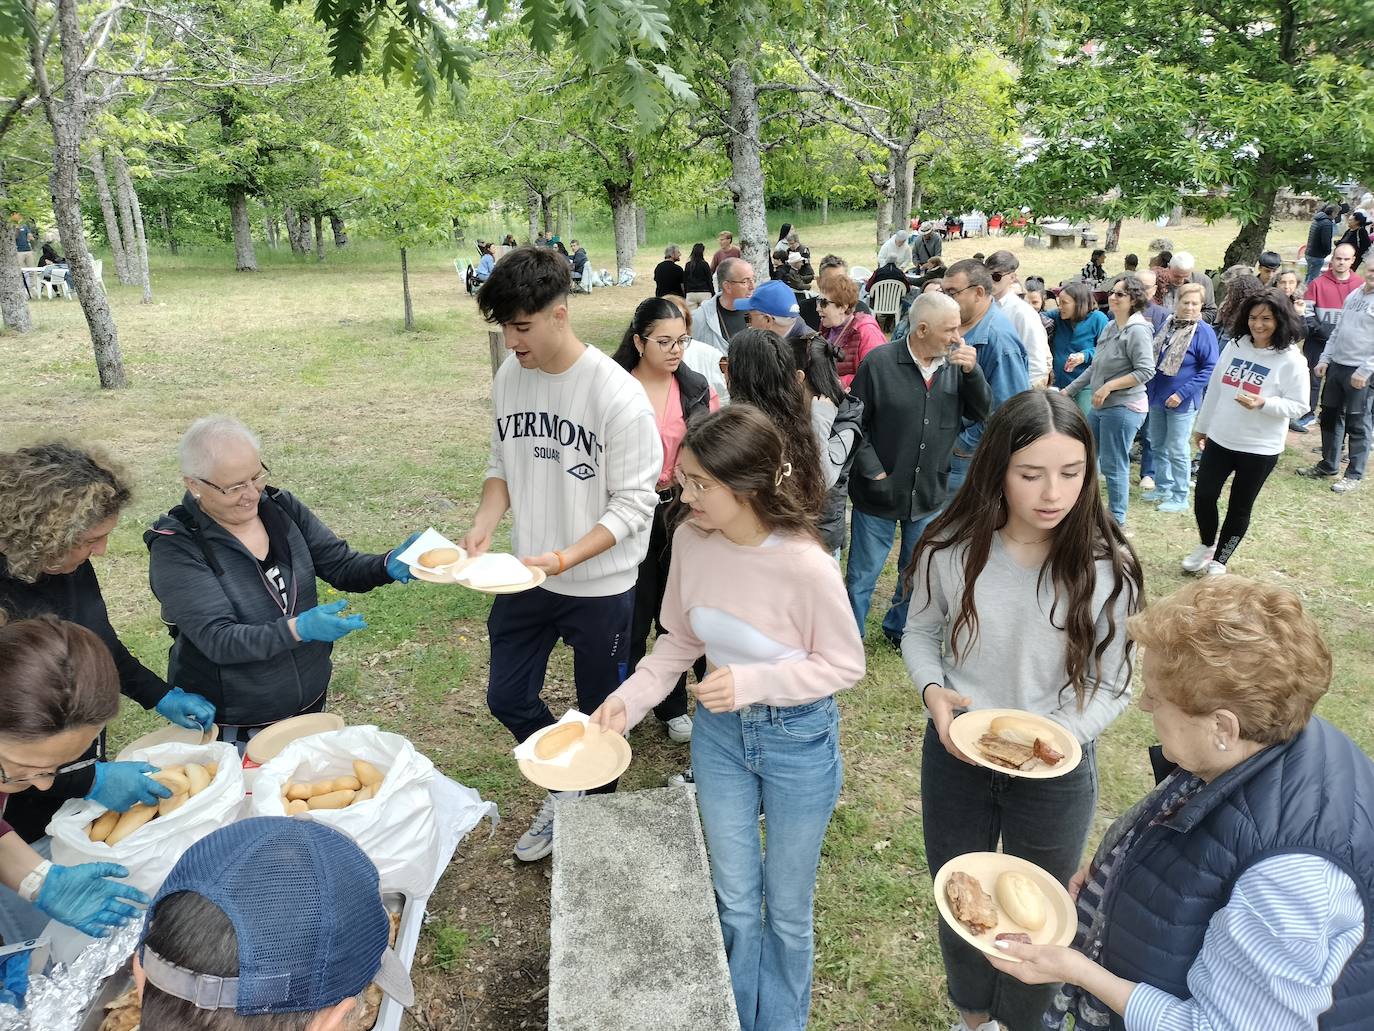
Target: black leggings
x=1250, y=473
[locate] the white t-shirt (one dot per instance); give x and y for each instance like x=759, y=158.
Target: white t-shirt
x=577, y=449
x=1026, y=321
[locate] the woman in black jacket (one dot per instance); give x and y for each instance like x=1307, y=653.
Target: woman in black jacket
x=234, y=566
x=1356, y=235
x=59, y=503
x=651, y=351
x=696, y=277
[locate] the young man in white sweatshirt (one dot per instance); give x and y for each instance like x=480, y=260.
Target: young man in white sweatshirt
x=575, y=455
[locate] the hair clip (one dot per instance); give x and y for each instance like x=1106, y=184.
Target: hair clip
x=786, y=470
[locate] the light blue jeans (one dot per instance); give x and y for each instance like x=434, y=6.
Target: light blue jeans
x=1170, y=433
x=870, y=542
x=1114, y=428
x=788, y=759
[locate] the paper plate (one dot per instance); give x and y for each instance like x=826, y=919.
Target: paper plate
x=968, y=727
x=168, y=735
x=448, y=578
x=1062, y=918
x=271, y=740
x=601, y=757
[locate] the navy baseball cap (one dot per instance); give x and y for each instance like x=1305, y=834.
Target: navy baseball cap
x=772, y=298
x=307, y=908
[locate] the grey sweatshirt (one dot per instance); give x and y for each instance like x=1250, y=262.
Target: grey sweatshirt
x=1018, y=660
x=1120, y=350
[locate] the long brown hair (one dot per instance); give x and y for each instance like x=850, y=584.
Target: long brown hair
x=1087, y=535
x=58, y=676
x=743, y=451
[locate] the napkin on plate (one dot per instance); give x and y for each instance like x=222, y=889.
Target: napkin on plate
x=495, y=569
x=431, y=538
x=524, y=751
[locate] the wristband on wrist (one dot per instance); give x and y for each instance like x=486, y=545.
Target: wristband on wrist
x=923, y=694
x=562, y=562
x=33, y=881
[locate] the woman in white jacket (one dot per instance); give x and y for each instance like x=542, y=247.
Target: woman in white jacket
x=1258, y=385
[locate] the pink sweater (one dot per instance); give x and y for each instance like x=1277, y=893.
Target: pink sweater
x=792, y=593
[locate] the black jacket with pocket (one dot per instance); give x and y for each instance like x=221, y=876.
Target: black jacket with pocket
x=231, y=638
x=909, y=431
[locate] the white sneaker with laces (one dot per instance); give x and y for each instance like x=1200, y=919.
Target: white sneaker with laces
x=680, y=729
x=1147, y=483
x=537, y=842
x=1214, y=569
x=1198, y=560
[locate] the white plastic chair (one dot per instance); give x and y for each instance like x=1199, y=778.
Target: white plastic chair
x=51, y=285
x=886, y=297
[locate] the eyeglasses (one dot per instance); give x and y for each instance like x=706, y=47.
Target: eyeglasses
x=672, y=343
x=955, y=293
x=238, y=488
x=822, y=302
x=1118, y=293
x=743, y=282
x=696, y=486
x=29, y=778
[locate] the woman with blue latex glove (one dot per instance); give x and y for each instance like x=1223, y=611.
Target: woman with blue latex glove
x=121, y=786
x=396, y=569
x=186, y=710
x=61, y=688
x=59, y=504
x=323, y=622
x=235, y=567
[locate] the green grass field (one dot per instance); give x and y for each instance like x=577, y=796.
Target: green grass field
x=384, y=432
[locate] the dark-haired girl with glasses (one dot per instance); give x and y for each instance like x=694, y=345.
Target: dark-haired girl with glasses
x=651, y=351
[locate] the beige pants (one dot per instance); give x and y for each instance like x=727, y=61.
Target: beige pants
x=28, y=259
x=695, y=300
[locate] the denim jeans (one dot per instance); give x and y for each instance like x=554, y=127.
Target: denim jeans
x=788, y=759
x=966, y=808
x=1314, y=268
x=870, y=542
x=958, y=473
x=1114, y=428
x=1170, y=432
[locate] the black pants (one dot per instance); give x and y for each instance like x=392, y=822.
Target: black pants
x=1345, y=410
x=1250, y=471
x=653, y=578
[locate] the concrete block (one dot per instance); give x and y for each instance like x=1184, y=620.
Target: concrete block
x=635, y=940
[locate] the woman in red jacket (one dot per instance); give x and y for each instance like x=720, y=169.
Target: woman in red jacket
x=855, y=333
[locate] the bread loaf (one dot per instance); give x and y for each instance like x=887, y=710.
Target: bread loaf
x=558, y=740
x=1021, y=900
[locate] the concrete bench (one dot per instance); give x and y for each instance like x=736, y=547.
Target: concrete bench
x=635, y=941
x=1061, y=236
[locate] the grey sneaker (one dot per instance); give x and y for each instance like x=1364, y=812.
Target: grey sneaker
x=1197, y=561
x=1317, y=472
x=537, y=842
x=1345, y=485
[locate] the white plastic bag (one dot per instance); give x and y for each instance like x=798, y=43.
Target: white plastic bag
x=400, y=828
x=151, y=851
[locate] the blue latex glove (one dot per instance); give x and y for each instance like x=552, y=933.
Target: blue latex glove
x=186, y=710
x=322, y=623
x=83, y=897
x=119, y=786
x=16, y=978
x=397, y=570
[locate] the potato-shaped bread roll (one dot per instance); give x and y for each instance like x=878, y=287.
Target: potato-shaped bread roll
x=301, y=792
x=1014, y=728
x=172, y=778
x=297, y=806
x=333, y=800
x=1022, y=900
x=171, y=805
x=322, y=787
x=364, y=794
x=368, y=775
x=130, y=822
x=102, y=825
x=212, y=769
x=558, y=740
x=200, y=780
x=435, y=558
x=347, y=784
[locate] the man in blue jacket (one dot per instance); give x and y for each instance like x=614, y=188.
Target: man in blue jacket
x=1001, y=355
x=1319, y=236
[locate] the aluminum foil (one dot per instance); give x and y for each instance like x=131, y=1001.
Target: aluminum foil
x=59, y=1000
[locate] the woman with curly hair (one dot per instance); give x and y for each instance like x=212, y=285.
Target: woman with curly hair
x=59, y=503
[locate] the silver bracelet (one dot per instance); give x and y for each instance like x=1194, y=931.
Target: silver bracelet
x=33, y=881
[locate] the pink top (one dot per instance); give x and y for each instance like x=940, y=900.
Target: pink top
x=748, y=583
x=672, y=430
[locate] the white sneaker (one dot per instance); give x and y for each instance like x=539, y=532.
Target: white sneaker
x=991, y=1025
x=1146, y=483
x=678, y=780
x=1214, y=569
x=1198, y=560
x=537, y=842
x=680, y=729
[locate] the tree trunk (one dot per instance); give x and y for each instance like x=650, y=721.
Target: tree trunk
x=641, y=226
x=244, y=258
x=271, y=229
x=125, y=210
x=532, y=210
x=319, y=235
x=918, y=196
x=572, y=232
x=904, y=175
x=336, y=224
x=405, y=289
x=884, y=185
x=1176, y=215
x=1245, y=248
x=825, y=209
x=168, y=234
x=546, y=212
x=621, y=196
x=746, y=165
x=296, y=231
x=68, y=116
x=107, y=209
x=135, y=236
x=1113, y=241
x=14, y=301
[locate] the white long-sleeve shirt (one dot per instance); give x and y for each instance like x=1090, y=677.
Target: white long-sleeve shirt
x=1280, y=377
x=1270, y=956
x=577, y=449
x=1026, y=321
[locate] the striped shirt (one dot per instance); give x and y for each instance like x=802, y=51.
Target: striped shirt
x=1270, y=957
x=577, y=449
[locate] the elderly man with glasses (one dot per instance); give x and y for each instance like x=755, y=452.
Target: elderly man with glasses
x=719, y=318
x=234, y=566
